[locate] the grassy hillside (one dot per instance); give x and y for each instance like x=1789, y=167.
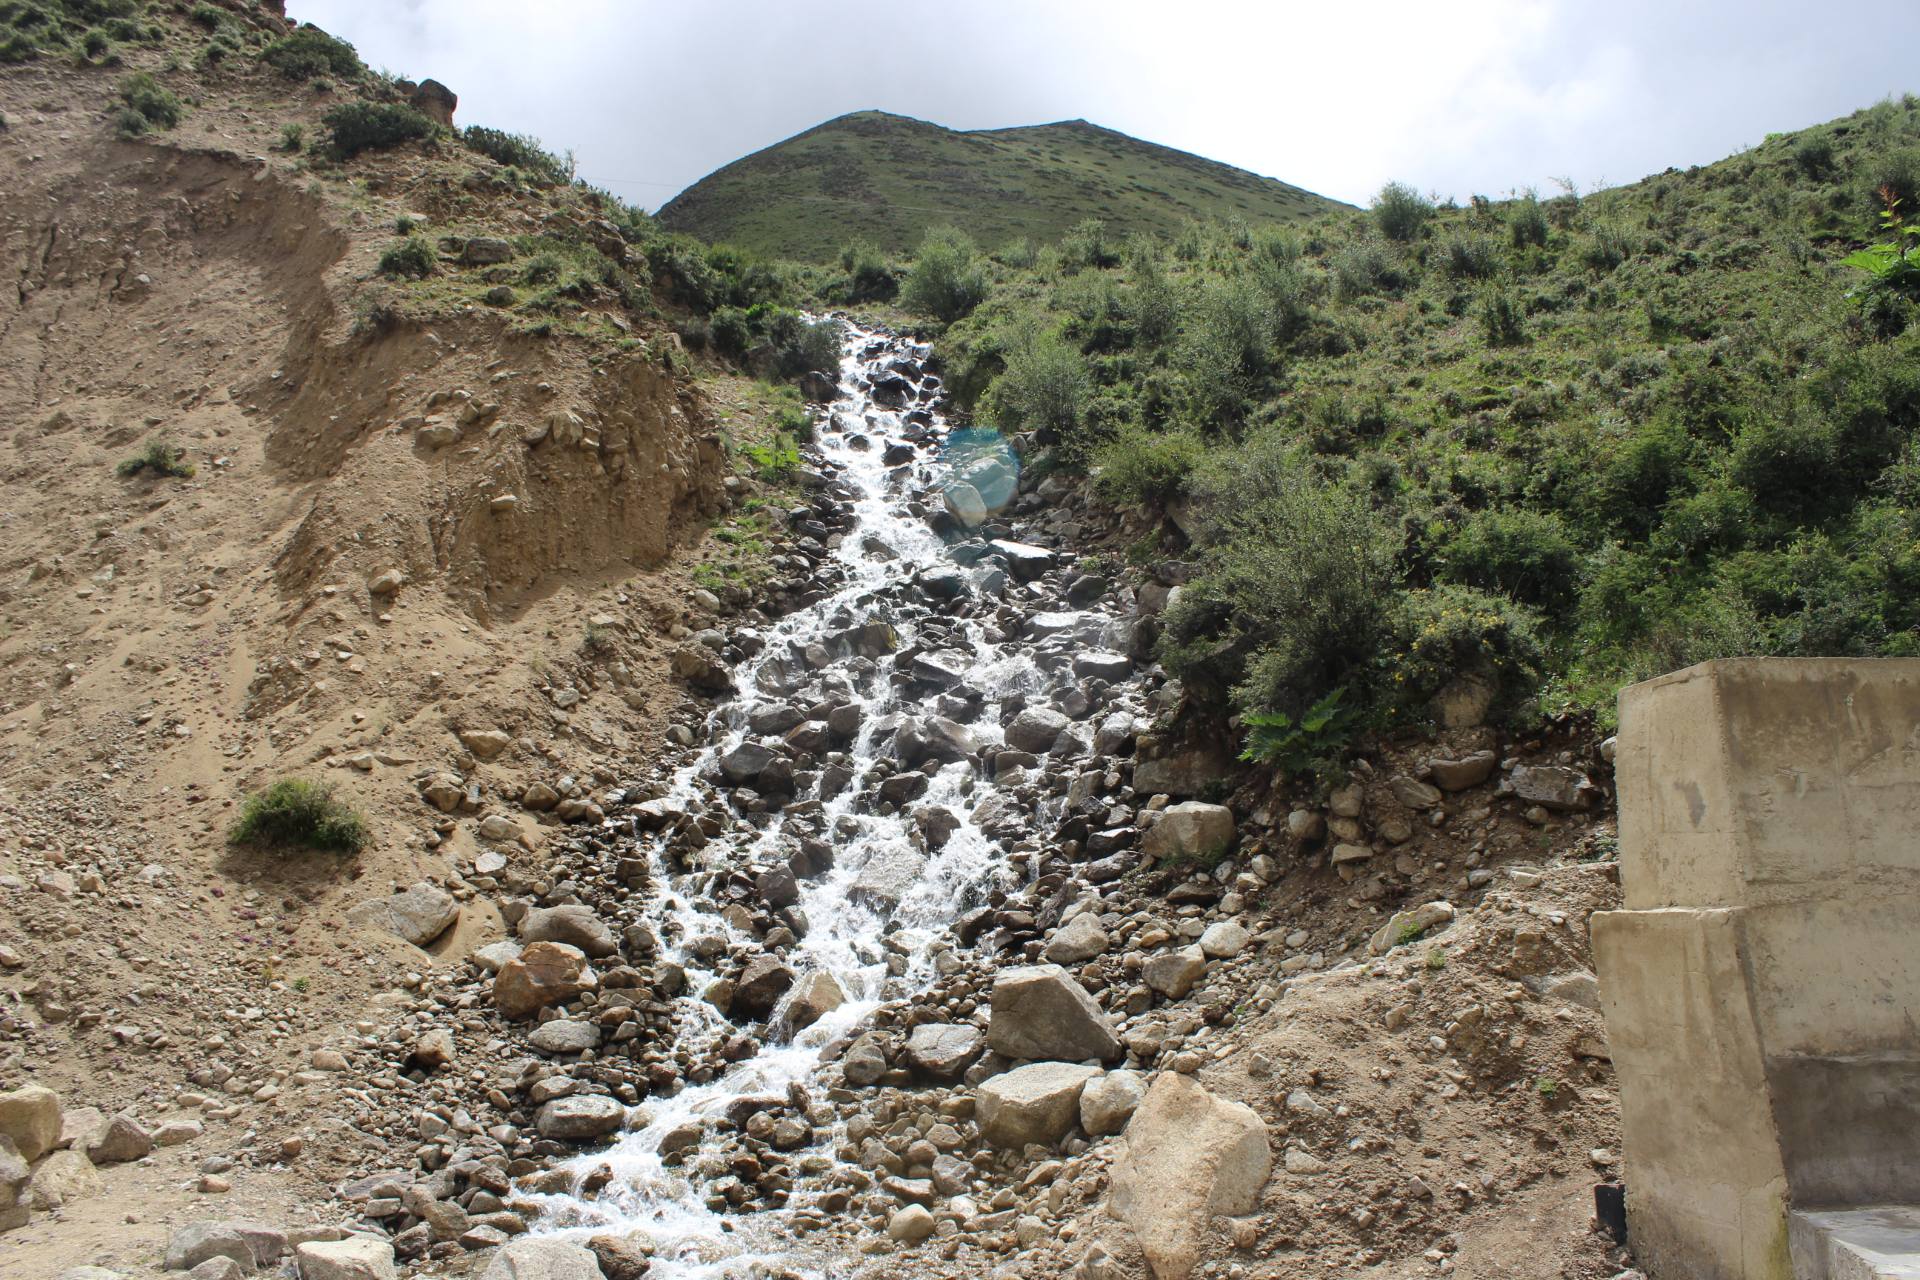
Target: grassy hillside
x=886, y=179
x=1537, y=447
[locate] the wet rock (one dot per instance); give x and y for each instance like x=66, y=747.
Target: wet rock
x=580, y=1117
x=745, y=763
x=1101, y=664
x=760, y=986
x=417, y=915
x=543, y=973
x=1189, y=831
x=943, y=1050
x=865, y=1061
x=963, y=502
x=1035, y=729
x=576, y=926
x=1188, y=1157
x=621, y=1258
x=1025, y=562
x=1040, y=1012
x=701, y=668
x=816, y=995
x=1035, y=1103
x=911, y=1224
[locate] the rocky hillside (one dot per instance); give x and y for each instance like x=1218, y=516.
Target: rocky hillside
x=886, y=179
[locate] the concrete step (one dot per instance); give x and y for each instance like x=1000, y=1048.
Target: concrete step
x=1878, y=1242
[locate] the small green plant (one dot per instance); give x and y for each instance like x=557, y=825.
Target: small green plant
x=1276, y=738
x=149, y=105
x=772, y=461
x=354, y=127
x=412, y=258
x=293, y=137
x=159, y=457
x=301, y=984
x=1500, y=318
x=1408, y=932
x=295, y=812
x=597, y=639
x=1548, y=1087
x=1436, y=959
x=1893, y=265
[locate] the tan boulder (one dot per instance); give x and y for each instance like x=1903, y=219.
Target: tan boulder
x=1188, y=1158
x=544, y=973
x=62, y=1178
x=1035, y=1103
x=30, y=1115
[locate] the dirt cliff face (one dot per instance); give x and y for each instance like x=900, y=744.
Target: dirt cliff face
x=399, y=523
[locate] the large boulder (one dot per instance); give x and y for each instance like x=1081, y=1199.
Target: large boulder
x=1190, y=830
x=543, y=1259
x=30, y=1116
x=117, y=1140
x=542, y=974
x=1181, y=773
x=355, y=1258
x=248, y=1243
x=573, y=924
x=62, y=1178
x=943, y=1049
x=580, y=1117
x=1188, y=1157
x=814, y=997
x=1040, y=1012
x=417, y=915
x=1039, y=1103
x=745, y=763
x=1035, y=729
x=1554, y=786
x=1174, y=973
x=702, y=668
x=760, y=986
x=1079, y=939
x=964, y=503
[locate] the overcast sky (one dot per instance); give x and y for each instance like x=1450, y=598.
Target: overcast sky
x=1454, y=96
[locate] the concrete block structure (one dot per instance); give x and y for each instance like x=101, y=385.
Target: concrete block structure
x=1762, y=983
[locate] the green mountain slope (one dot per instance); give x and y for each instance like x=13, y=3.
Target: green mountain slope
x=887, y=178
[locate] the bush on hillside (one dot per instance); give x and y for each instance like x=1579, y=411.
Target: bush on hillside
x=411, y=257
x=1470, y=256
x=161, y=458
x=149, y=105
x=520, y=151
x=1401, y=212
x=1438, y=636
x=1147, y=468
x=353, y=127
x=870, y=276
x=947, y=279
x=1089, y=244
x=294, y=812
x=1529, y=555
x=1527, y=221
x=1045, y=389
x=1366, y=266
x=310, y=53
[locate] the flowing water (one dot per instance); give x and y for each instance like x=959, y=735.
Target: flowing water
x=874, y=953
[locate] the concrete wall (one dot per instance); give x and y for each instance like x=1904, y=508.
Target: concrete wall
x=1762, y=986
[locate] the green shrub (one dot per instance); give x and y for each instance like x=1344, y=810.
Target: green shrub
x=1045, y=389
x=1293, y=599
x=1470, y=256
x=947, y=279
x=293, y=137
x=1813, y=155
x=870, y=276
x=1500, y=318
x=159, y=457
x=149, y=105
x=521, y=151
x=353, y=127
x=310, y=53
x=1088, y=244
x=212, y=17
x=1452, y=633
x=412, y=258
x=1309, y=745
x=1363, y=267
x=1401, y=212
x=1527, y=221
x=1141, y=467
x=1526, y=554
x=294, y=812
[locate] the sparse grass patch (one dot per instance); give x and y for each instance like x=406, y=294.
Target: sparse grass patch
x=297, y=813
x=149, y=105
x=410, y=258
